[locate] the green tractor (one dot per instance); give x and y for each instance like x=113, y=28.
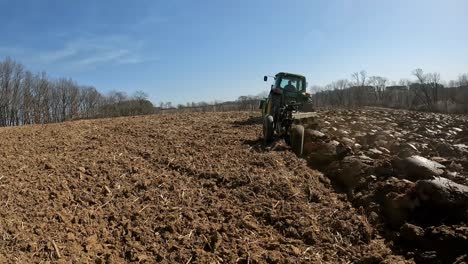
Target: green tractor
x=284, y=105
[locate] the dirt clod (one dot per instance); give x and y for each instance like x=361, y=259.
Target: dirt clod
x=406, y=170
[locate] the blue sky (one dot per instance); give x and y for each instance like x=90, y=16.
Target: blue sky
x=202, y=50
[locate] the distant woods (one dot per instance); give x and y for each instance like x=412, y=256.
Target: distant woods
x=34, y=98
x=426, y=93
x=243, y=103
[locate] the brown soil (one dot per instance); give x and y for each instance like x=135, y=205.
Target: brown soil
x=407, y=170
x=185, y=188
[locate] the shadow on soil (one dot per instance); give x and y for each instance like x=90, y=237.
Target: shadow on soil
x=251, y=121
x=259, y=146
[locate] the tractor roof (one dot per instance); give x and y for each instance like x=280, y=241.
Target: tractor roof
x=290, y=74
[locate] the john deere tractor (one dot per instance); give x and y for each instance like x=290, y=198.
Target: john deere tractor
x=283, y=106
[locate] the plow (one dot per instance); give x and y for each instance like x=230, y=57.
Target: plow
x=285, y=110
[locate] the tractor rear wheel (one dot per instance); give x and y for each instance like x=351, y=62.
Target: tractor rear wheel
x=268, y=128
x=297, y=139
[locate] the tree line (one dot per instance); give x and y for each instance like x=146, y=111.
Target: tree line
x=427, y=92
x=243, y=103
x=34, y=98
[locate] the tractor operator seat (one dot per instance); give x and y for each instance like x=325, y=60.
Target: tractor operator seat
x=290, y=87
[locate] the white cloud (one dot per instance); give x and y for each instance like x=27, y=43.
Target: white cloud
x=108, y=56
x=84, y=52
x=57, y=55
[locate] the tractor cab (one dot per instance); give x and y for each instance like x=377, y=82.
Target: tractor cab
x=292, y=86
x=289, y=82
x=288, y=88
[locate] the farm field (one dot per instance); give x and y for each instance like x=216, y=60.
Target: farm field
x=201, y=188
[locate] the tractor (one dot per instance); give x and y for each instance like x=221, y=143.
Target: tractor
x=284, y=106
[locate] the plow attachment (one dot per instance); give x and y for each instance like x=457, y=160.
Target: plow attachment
x=301, y=122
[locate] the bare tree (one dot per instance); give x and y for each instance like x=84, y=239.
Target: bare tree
x=27, y=103
x=359, y=88
x=463, y=79
x=140, y=96
x=420, y=89
x=6, y=73
x=15, y=95
x=419, y=73
x=90, y=102
x=433, y=82
x=379, y=84
x=359, y=78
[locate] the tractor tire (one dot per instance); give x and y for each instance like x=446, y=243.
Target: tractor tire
x=296, y=138
x=268, y=129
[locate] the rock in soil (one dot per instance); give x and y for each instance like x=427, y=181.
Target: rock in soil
x=407, y=170
x=443, y=199
x=418, y=168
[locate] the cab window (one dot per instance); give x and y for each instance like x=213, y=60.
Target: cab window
x=295, y=82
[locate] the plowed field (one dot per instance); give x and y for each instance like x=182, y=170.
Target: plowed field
x=177, y=188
